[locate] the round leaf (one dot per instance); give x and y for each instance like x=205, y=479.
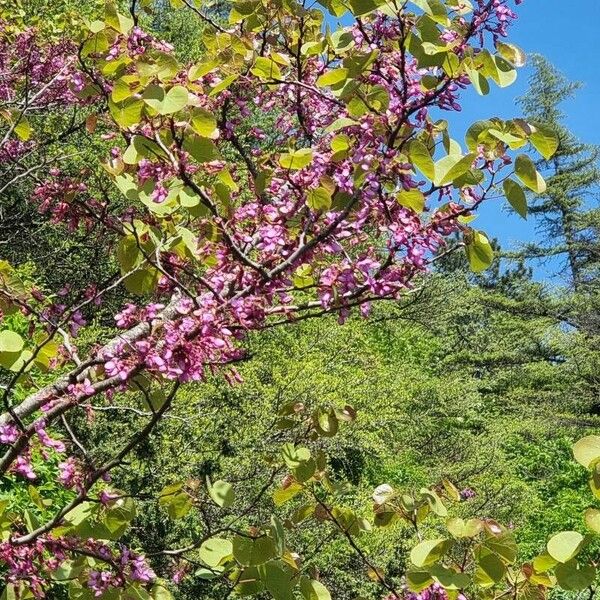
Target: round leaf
x=544, y=140
x=516, y=197
x=528, y=174
x=479, y=252
x=592, y=519
x=10, y=341
x=565, y=545
x=428, y=552
x=214, y=550
x=587, y=450
x=314, y=590
x=221, y=493
x=571, y=576
x=296, y=160
x=332, y=77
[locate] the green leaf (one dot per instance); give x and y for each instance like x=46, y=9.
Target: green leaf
x=503, y=544
x=479, y=251
x=10, y=341
x=363, y=7
x=587, y=451
x=122, y=23
x=418, y=580
x=141, y=147
x=511, y=140
x=435, y=9
x=319, y=199
x=451, y=167
x=340, y=145
x=279, y=580
x=204, y=123
x=429, y=551
x=23, y=129
x=214, y=550
x=513, y=54
x=221, y=493
x=223, y=85
x=333, y=77
x=435, y=503
x=15, y=361
x=544, y=562
x=464, y=529
x=414, y=199
x=594, y=480
x=250, y=583
x=294, y=457
x=528, y=174
x=201, y=69
x=312, y=589
x=340, y=124
x=160, y=592
x=573, y=577
x=277, y=532
x=68, y=570
x=166, y=103
x=516, y=197
x=544, y=140
x=478, y=80
x=176, y=99
x=177, y=505
x=253, y=551
x=202, y=149
x=421, y=158
x=565, y=545
x=303, y=276
x=502, y=71
x=265, y=68
x=128, y=113
x=296, y=160
x=476, y=132
x=492, y=567
x=592, y=519
x=283, y=495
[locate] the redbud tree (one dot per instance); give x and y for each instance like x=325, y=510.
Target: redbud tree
x=344, y=196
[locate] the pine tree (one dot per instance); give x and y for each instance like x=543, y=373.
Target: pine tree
x=567, y=215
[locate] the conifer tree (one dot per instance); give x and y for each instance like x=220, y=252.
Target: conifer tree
x=567, y=214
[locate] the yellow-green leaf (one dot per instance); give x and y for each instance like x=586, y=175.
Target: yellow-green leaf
x=421, y=158
x=332, y=77
x=319, y=199
x=565, y=545
x=525, y=170
x=297, y=159
x=479, y=251
x=10, y=341
x=428, y=552
x=204, y=123
x=412, y=199
x=544, y=140
x=587, y=451
x=265, y=68
x=516, y=196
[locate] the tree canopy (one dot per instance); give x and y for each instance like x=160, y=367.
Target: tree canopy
x=194, y=197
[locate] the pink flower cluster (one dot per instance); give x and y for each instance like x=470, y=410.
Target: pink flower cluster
x=131, y=567
x=30, y=564
x=59, y=197
x=435, y=592
x=337, y=224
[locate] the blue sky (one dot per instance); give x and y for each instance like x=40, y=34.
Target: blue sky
x=567, y=32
